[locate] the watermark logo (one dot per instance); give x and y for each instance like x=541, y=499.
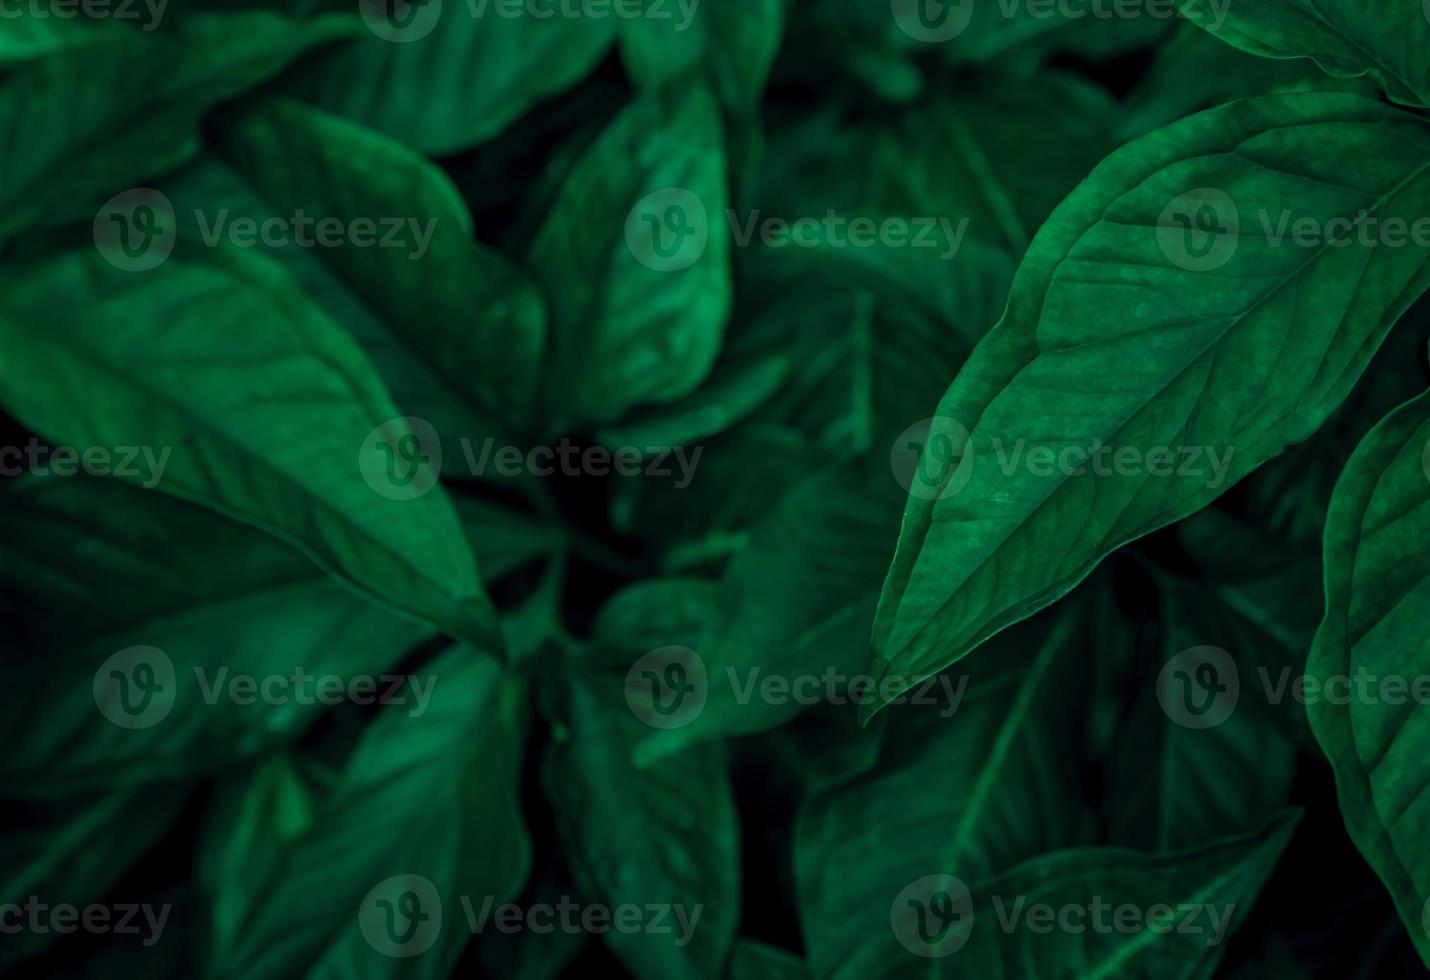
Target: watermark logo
x=135, y=688
x=401, y=916
x=932, y=21
x=122, y=919
x=667, y=687
x=667, y=231
x=86, y=9
x=1365, y=229
x=1362, y=686
x=933, y=916
x=932, y=459
x=1201, y=919
x=1211, y=464
x=567, y=915
x=1199, y=687
x=401, y=459
x=400, y=21
x=1199, y=230
x=569, y=459
x=135, y=230
x=141, y=464
x=833, y=230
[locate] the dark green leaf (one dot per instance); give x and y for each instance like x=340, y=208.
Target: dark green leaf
x=1231, y=343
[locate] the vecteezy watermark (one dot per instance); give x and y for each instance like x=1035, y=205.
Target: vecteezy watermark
x=401, y=917
x=1199, y=231
x=931, y=458
x=1365, y=229
x=567, y=915
x=411, y=235
x=936, y=21
x=403, y=21
x=142, y=464
x=1105, y=918
x=150, y=12
x=402, y=459
x=934, y=458
x=1361, y=686
x=135, y=231
x=669, y=687
x=1209, y=463
x=1202, y=229
x=137, y=688
x=119, y=919
x=669, y=230
x=569, y=459
x=837, y=231
x=934, y=916
x=1199, y=687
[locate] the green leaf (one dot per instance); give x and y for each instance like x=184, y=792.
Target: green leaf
x=96, y=568
x=1219, y=881
x=269, y=412
x=462, y=71
x=455, y=303
x=666, y=835
x=1236, y=350
x=1389, y=41
x=1373, y=641
x=635, y=259
x=426, y=804
x=735, y=389
x=735, y=43
x=1006, y=789
x=1195, y=70
x=140, y=97
x=209, y=197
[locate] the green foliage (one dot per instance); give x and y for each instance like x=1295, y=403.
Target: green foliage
x=753, y=490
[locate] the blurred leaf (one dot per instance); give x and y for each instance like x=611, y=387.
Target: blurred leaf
x=455, y=72
x=635, y=260
x=73, y=851
x=104, y=115
x=734, y=42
